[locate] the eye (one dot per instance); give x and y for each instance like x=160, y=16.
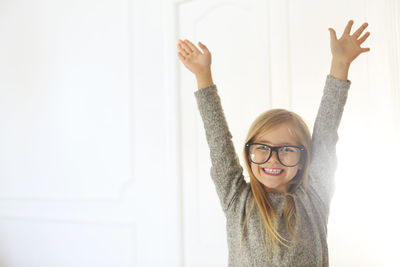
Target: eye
x=261, y=147
x=287, y=149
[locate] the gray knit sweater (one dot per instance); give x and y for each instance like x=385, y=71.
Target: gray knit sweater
x=312, y=207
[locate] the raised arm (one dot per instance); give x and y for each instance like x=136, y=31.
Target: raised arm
x=324, y=138
x=226, y=171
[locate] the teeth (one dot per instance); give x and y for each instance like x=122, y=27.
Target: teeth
x=273, y=171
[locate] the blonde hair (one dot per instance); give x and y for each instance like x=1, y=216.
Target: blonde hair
x=263, y=124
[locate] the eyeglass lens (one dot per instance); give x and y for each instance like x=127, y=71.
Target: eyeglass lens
x=288, y=156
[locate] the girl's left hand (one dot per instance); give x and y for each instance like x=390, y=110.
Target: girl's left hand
x=347, y=48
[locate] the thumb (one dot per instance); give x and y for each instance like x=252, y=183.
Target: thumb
x=333, y=34
x=203, y=47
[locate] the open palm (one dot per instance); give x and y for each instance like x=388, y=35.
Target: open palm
x=193, y=59
x=347, y=48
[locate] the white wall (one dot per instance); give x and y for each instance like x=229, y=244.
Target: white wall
x=87, y=86
x=79, y=100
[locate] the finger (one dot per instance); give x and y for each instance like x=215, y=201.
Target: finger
x=204, y=48
x=333, y=34
x=182, y=58
x=362, y=39
x=360, y=30
x=364, y=50
x=182, y=50
x=186, y=47
x=192, y=46
x=183, y=53
x=348, y=28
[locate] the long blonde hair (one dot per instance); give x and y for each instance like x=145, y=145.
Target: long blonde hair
x=264, y=123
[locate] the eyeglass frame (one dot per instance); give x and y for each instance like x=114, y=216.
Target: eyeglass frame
x=303, y=152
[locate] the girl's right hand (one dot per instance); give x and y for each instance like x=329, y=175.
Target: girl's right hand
x=193, y=59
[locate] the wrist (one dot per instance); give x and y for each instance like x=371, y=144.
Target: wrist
x=340, y=69
x=204, y=73
x=340, y=63
x=204, y=79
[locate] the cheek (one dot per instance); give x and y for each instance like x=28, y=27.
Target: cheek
x=254, y=168
x=294, y=173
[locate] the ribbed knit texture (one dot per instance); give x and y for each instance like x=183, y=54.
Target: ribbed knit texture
x=312, y=208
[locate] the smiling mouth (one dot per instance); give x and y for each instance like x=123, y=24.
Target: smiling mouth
x=272, y=173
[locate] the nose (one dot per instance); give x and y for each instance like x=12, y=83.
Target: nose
x=274, y=157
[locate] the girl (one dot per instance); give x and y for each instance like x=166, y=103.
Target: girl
x=291, y=173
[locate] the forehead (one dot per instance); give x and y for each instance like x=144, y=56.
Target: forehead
x=281, y=135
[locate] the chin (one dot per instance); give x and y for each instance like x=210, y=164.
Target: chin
x=270, y=188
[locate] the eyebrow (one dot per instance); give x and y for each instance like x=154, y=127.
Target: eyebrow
x=268, y=142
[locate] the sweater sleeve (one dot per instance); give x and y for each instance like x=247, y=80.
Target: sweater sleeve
x=226, y=171
x=324, y=138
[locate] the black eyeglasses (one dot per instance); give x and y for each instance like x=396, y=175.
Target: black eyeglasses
x=288, y=156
